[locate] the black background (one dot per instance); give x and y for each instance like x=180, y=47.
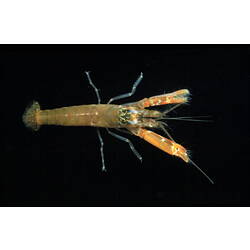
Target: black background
x=61, y=166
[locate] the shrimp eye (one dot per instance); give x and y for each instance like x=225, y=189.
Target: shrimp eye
x=124, y=116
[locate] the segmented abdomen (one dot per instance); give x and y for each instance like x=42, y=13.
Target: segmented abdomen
x=82, y=115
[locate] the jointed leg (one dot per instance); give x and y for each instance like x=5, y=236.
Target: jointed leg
x=162, y=126
x=130, y=93
x=92, y=84
x=101, y=149
x=128, y=141
x=98, y=131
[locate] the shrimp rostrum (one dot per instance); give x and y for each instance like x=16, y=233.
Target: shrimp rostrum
x=133, y=118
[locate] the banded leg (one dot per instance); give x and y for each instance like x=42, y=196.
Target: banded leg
x=130, y=93
x=98, y=130
x=128, y=141
x=94, y=87
x=177, y=97
x=101, y=148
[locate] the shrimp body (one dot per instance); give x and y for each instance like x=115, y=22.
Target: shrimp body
x=133, y=116
x=95, y=115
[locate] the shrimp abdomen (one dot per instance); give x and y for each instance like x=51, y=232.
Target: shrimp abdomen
x=100, y=115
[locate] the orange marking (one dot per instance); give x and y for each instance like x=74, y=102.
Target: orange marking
x=179, y=96
x=164, y=144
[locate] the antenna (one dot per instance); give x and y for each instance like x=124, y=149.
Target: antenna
x=201, y=171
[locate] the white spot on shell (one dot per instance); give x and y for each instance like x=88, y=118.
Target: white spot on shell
x=135, y=121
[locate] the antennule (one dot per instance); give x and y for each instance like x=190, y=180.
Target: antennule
x=190, y=161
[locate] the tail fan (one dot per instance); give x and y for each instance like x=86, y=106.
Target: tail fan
x=30, y=116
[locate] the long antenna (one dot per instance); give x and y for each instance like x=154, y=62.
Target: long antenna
x=162, y=126
x=201, y=171
x=171, y=109
x=187, y=118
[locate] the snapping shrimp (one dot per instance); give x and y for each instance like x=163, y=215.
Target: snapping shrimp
x=132, y=117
